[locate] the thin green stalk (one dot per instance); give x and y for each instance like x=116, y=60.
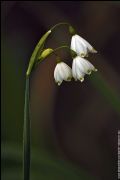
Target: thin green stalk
x=62, y=47
x=26, y=135
x=73, y=53
x=59, y=24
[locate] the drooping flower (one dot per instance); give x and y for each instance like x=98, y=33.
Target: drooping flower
x=80, y=67
x=81, y=46
x=62, y=72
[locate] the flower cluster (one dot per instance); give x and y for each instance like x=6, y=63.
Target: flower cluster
x=80, y=65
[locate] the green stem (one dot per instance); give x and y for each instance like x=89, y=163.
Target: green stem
x=62, y=47
x=67, y=47
x=73, y=53
x=37, y=49
x=26, y=135
x=59, y=24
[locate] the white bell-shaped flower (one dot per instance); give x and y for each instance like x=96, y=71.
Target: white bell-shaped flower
x=81, y=46
x=80, y=67
x=62, y=72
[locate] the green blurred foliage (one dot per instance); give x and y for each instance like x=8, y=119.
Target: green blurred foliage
x=108, y=92
x=13, y=93
x=43, y=166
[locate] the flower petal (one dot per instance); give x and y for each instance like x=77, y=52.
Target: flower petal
x=83, y=47
x=80, y=49
x=76, y=71
x=67, y=72
x=62, y=72
x=73, y=43
x=57, y=76
x=80, y=67
x=87, y=44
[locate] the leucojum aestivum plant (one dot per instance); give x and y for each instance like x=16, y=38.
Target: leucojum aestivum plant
x=79, y=50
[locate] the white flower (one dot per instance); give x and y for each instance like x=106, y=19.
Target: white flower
x=81, y=46
x=62, y=72
x=80, y=67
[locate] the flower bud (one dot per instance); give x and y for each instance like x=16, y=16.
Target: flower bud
x=72, y=30
x=45, y=53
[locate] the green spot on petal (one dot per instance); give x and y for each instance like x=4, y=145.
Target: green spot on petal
x=82, y=55
x=81, y=79
x=69, y=79
x=89, y=72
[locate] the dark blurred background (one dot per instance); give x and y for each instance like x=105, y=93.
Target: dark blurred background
x=74, y=126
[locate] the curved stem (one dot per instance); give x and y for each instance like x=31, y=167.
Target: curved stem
x=67, y=47
x=26, y=135
x=59, y=24
x=73, y=53
x=38, y=48
x=62, y=47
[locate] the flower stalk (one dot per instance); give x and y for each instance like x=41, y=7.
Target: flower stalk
x=59, y=24
x=53, y=51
